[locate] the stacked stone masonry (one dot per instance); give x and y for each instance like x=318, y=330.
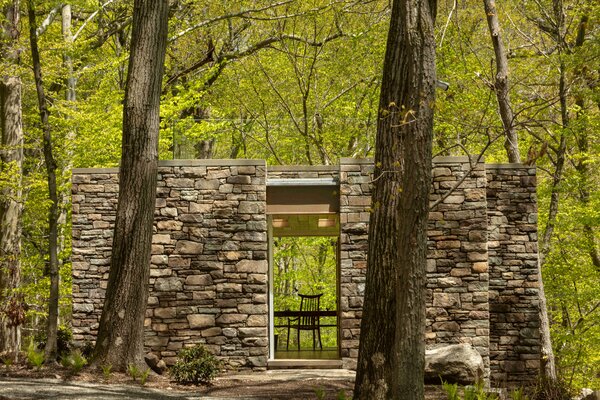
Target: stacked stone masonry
x=209, y=268
x=208, y=277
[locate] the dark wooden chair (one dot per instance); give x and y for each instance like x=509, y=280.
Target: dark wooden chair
x=308, y=322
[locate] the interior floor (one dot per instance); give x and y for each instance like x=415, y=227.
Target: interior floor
x=328, y=353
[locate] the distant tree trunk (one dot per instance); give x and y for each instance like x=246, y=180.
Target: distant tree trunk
x=70, y=97
x=392, y=344
x=51, y=349
x=11, y=157
x=511, y=142
x=67, y=61
x=120, y=339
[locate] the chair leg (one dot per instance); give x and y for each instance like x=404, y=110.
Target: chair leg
x=287, y=344
x=320, y=343
x=298, y=339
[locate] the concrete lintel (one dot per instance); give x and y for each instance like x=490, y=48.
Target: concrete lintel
x=302, y=182
x=211, y=163
x=84, y=171
x=303, y=168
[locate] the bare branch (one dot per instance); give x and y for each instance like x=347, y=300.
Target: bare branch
x=91, y=17
x=243, y=13
x=49, y=19
x=454, y=5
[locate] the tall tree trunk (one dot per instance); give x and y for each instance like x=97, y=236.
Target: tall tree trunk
x=70, y=97
x=583, y=163
x=67, y=60
x=511, y=142
x=11, y=157
x=392, y=344
x=51, y=348
x=120, y=339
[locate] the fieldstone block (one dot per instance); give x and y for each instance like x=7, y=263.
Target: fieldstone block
x=172, y=284
x=199, y=280
x=188, y=247
x=166, y=312
x=446, y=300
x=199, y=321
x=252, y=266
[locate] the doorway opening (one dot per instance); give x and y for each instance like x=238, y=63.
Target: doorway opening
x=305, y=297
x=304, y=272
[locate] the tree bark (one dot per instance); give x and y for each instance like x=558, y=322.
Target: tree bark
x=12, y=310
x=120, y=338
x=392, y=344
x=511, y=142
x=12, y=306
x=70, y=97
x=52, y=323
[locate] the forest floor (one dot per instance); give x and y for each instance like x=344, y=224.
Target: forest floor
x=20, y=383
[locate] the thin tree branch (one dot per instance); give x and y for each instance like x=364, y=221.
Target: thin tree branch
x=91, y=17
x=49, y=19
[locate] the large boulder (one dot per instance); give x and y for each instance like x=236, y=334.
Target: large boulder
x=156, y=364
x=456, y=363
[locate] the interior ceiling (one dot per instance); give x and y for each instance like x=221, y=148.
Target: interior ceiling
x=306, y=225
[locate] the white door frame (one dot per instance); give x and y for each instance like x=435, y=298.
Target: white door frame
x=270, y=288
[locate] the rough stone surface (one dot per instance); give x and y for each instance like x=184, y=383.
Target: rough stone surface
x=209, y=268
x=192, y=269
x=456, y=363
x=156, y=364
x=513, y=259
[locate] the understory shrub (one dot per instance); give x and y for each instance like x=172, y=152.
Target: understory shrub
x=553, y=390
x=75, y=361
x=34, y=356
x=476, y=392
x=195, y=365
x=64, y=336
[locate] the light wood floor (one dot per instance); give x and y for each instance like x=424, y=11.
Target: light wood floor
x=328, y=353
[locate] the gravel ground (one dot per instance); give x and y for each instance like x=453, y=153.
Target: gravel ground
x=274, y=384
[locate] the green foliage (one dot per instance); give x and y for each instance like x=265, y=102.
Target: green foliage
x=133, y=371
x=64, y=336
x=106, y=371
x=320, y=393
x=476, y=392
x=144, y=376
x=195, y=365
x=35, y=357
x=75, y=361
x=305, y=99
x=7, y=360
x=451, y=390
x=553, y=390
x=518, y=394
x=341, y=395
x=306, y=265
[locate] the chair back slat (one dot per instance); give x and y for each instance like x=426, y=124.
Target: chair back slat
x=310, y=303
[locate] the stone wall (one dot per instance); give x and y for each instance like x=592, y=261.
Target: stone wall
x=209, y=274
x=355, y=202
x=513, y=259
x=209, y=258
x=457, y=268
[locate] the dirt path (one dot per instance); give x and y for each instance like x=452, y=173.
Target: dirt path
x=275, y=384
x=289, y=384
